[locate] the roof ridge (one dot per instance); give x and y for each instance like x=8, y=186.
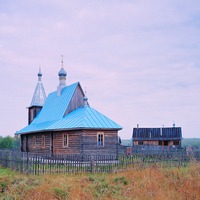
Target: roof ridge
x=65, y=87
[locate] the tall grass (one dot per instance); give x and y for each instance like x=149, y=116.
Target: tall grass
x=146, y=183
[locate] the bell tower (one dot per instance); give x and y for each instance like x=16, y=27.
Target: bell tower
x=38, y=99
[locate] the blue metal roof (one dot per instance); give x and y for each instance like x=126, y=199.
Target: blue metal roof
x=55, y=106
x=81, y=118
x=51, y=117
x=85, y=118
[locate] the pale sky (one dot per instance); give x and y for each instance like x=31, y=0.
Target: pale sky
x=139, y=60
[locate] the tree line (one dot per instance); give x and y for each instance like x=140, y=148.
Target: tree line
x=9, y=142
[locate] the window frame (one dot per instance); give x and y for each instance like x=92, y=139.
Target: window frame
x=34, y=141
x=176, y=143
x=100, y=143
x=31, y=114
x=43, y=141
x=65, y=140
x=140, y=142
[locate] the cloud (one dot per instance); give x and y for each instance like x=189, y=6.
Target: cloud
x=139, y=60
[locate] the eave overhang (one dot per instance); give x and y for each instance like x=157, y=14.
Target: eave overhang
x=69, y=129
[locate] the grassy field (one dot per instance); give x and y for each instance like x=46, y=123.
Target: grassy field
x=149, y=183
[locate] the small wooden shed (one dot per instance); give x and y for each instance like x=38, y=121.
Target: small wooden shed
x=165, y=136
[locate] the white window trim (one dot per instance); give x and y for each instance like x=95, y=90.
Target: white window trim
x=100, y=133
x=64, y=140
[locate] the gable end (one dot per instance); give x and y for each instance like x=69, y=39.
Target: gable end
x=76, y=100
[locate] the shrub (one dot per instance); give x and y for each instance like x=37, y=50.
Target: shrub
x=60, y=193
x=3, y=186
x=121, y=179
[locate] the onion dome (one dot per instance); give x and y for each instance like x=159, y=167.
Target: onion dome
x=85, y=101
x=62, y=72
x=39, y=73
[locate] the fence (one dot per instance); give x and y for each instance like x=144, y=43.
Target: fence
x=30, y=163
x=155, y=149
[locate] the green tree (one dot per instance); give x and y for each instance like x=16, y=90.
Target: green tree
x=6, y=142
x=16, y=142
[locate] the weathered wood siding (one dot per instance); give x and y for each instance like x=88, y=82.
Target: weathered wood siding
x=82, y=142
x=32, y=113
x=76, y=101
x=90, y=147
x=28, y=145
x=146, y=143
x=23, y=143
x=74, y=142
x=156, y=143
x=151, y=142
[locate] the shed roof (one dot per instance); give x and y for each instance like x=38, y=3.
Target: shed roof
x=164, y=133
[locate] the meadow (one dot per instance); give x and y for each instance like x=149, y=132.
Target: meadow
x=141, y=183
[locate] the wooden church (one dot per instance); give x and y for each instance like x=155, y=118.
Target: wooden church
x=64, y=123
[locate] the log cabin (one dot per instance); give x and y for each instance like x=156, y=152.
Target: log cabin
x=64, y=123
x=165, y=136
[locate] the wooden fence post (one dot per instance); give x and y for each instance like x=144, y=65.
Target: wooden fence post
x=92, y=166
x=21, y=163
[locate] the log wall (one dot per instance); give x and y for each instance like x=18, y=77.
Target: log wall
x=29, y=146
x=32, y=113
x=82, y=142
x=74, y=142
x=90, y=147
x=156, y=143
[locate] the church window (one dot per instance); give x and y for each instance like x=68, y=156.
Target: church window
x=34, y=141
x=43, y=141
x=65, y=140
x=100, y=139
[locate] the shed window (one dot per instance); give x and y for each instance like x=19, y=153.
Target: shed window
x=34, y=141
x=176, y=142
x=65, y=140
x=100, y=139
x=140, y=142
x=43, y=141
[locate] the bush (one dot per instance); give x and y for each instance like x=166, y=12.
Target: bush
x=3, y=186
x=60, y=193
x=121, y=179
